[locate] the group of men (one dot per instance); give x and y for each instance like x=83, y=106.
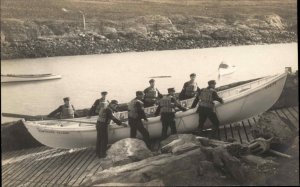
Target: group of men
x=167, y=106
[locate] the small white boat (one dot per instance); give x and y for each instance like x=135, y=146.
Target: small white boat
x=240, y=102
x=226, y=69
x=27, y=77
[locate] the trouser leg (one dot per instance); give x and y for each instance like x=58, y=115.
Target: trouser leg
x=164, y=131
x=144, y=132
x=214, y=119
x=133, y=128
x=173, y=126
x=103, y=140
x=98, y=139
x=202, y=119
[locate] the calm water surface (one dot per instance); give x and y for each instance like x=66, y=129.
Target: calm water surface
x=84, y=77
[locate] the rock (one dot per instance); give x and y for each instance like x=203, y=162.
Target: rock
x=128, y=150
x=185, y=169
x=270, y=125
x=225, y=161
x=179, y=143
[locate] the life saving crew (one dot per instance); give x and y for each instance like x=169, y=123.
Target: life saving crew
x=205, y=99
x=135, y=115
x=190, y=88
x=104, y=118
x=151, y=94
x=99, y=104
x=166, y=109
x=64, y=111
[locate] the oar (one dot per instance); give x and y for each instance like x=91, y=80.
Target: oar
x=39, y=118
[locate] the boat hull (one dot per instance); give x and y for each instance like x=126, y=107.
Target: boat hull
x=6, y=79
x=239, y=103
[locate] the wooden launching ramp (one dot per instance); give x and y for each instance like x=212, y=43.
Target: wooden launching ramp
x=44, y=166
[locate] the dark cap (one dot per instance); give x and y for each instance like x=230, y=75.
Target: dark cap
x=67, y=99
x=151, y=80
x=211, y=82
x=137, y=93
x=114, y=102
x=171, y=90
x=104, y=93
x=192, y=75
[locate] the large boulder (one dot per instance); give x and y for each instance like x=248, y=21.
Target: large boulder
x=271, y=126
x=128, y=150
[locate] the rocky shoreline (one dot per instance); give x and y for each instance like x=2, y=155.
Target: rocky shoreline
x=33, y=39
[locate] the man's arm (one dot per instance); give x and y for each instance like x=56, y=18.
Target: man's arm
x=159, y=94
x=112, y=117
x=58, y=110
x=217, y=98
x=140, y=111
x=157, y=111
x=196, y=100
x=178, y=105
x=93, y=108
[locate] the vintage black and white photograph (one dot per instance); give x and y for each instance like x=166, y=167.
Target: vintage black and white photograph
x=149, y=93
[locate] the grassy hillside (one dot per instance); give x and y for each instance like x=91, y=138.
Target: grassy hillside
x=35, y=28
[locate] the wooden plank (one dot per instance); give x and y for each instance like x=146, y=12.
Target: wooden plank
x=242, y=133
x=66, y=161
x=292, y=119
x=44, y=174
x=245, y=131
x=20, y=164
x=80, y=170
x=73, y=169
x=251, y=122
x=44, y=166
x=97, y=167
x=231, y=130
x=32, y=168
x=20, y=168
x=285, y=120
x=293, y=113
x=296, y=108
x=92, y=169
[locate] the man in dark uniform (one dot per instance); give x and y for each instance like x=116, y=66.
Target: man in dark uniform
x=98, y=105
x=104, y=119
x=205, y=97
x=135, y=115
x=190, y=88
x=65, y=111
x=151, y=94
x=166, y=108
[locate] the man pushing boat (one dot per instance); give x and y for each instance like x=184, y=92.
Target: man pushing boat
x=205, y=97
x=166, y=109
x=104, y=119
x=135, y=115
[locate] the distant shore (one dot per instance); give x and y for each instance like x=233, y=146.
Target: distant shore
x=122, y=26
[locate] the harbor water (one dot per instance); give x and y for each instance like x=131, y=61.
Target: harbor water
x=84, y=77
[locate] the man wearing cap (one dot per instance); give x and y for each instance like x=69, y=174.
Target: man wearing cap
x=135, y=115
x=98, y=104
x=151, y=94
x=65, y=111
x=190, y=88
x=166, y=109
x=104, y=119
x=205, y=97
